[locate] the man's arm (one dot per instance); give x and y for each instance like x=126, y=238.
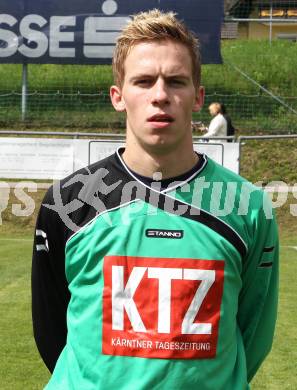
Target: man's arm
x=50, y=294
x=257, y=309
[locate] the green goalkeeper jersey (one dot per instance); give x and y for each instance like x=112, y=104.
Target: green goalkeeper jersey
x=171, y=288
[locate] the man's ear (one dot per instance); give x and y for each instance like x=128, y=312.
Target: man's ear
x=117, y=98
x=199, y=99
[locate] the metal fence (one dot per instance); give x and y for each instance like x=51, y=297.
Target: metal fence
x=249, y=112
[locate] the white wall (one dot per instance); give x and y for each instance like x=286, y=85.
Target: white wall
x=55, y=158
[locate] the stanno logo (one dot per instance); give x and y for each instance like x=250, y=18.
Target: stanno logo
x=160, y=233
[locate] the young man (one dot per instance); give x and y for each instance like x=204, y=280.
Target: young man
x=142, y=283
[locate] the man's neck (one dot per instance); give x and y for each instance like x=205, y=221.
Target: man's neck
x=171, y=164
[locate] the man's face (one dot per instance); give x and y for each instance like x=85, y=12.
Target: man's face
x=158, y=95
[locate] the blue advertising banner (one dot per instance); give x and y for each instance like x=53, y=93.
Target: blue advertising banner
x=84, y=32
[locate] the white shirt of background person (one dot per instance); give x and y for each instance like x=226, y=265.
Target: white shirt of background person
x=218, y=125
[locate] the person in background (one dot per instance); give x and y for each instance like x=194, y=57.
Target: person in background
x=230, y=127
x=218, y=125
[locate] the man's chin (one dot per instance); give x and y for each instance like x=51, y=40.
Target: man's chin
x=159, y=145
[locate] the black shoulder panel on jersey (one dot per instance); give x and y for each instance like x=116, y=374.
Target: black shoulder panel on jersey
x=215, y=224
x=101, y=187
x=78, y=198
x=203, y=217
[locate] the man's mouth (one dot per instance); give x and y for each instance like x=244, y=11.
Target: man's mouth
x=161, y=118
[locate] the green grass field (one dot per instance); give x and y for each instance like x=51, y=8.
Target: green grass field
x=20, y=364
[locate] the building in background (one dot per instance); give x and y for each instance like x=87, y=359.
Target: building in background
x=260, y=19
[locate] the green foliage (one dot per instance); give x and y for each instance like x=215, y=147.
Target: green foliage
x=270, y=160
x=77, y=96
x=20, y=364
x=53, y=78
x=279, y=370
x=271, y=65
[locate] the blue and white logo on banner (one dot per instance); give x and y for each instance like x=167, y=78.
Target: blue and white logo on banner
x=84, y=32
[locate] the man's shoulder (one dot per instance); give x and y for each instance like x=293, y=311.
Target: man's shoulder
x=221, y=174
x=238, y=202
x=79, y=197
x=89, y=172
x=86, y=174
x=85, y=179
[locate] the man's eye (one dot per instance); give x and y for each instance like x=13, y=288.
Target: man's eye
x=177, y=82
x=143, y=82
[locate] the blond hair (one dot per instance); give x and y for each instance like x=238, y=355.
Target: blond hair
x=154, y=25
x=217, y=106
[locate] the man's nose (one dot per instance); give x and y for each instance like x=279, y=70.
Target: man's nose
x=160, y=92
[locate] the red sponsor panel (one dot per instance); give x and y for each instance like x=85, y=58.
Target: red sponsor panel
x=161, y=307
